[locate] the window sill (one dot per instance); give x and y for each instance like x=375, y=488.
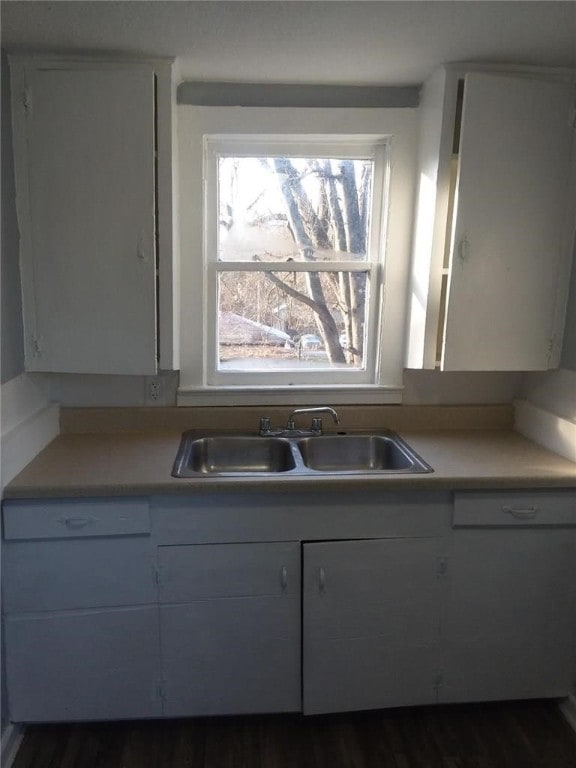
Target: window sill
x=310, y=395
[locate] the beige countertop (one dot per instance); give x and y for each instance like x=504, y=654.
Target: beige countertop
x=140, y=464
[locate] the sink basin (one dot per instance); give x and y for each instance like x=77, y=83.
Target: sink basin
x=250, y=455
x=358, y=453
x=233, y=455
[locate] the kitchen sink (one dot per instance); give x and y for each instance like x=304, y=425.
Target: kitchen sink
x=233, y=454
x=355, y=453
x=249, y=455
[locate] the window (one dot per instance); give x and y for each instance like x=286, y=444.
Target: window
x=293, y=270
x=293, y=260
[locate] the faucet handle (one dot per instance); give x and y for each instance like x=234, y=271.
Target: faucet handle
x=264, y=425
x=316, y=425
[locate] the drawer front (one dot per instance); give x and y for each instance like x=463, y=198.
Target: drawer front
x=64, y=574
x=205, y=571
x=75, y=518
x=515, y=508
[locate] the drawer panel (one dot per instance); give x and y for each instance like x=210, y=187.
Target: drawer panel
x=63, y=574
x=515, y=508
x=205, y=571
x=86, y=665
x=75, y=518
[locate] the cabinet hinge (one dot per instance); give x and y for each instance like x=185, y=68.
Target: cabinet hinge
x=27, y=100
x=35, y=346
x=551, y=346
x=157, y=575
x=161, y=690
x=441, y=566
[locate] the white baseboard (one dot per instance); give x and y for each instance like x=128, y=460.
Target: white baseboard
x=568, y=709
x=12, y=737
x=546, y=428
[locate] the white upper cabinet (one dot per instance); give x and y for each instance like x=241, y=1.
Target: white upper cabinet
x=494, y=223
x=85, y=138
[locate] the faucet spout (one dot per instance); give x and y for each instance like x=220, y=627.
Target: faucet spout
x=266, y=430
x=320, y=409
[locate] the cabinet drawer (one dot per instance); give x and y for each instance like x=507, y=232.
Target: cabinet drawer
x=515, y=508
x=63, y=574
x=206, y=571
x=75, y=518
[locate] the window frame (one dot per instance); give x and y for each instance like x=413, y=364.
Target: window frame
x=375, y=149
x=399, y=128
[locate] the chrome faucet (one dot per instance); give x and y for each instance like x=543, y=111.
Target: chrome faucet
x=290, y=430
x=316, y=422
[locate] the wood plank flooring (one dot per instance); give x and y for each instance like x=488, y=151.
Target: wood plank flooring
x=503, y=735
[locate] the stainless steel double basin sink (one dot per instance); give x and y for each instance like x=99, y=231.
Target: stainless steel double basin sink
x=251, y=455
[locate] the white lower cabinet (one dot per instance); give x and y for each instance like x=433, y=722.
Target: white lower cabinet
x=230, y=627
x=83, y=665
x=80, y=610
x=211, y=610
x=371, y=623
x=509, y=629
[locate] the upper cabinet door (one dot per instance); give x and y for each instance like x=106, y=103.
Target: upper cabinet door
x=85, y=178
x=510, y=224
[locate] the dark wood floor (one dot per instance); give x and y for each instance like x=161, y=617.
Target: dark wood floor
x=510, y=735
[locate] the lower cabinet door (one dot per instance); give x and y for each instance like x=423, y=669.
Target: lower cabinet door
x=510, y=620
x=83, y=665
x=371, y=624
x=230, y=628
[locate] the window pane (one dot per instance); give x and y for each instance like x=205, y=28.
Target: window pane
x=292, y=320
x=293, y=208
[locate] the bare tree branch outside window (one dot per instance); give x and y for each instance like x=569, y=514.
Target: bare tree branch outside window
x=313, y=210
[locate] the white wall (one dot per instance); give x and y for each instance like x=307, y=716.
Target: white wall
x=29, y=423
x=569, y=348
x=546, y=412
x=420, y=388
x=12, y=361
x=553, y=391
x=449, y=388
x=12, y=354
x=91, y=391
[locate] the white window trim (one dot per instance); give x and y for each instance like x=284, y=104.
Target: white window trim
x=399, y=128
x=365, y=147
